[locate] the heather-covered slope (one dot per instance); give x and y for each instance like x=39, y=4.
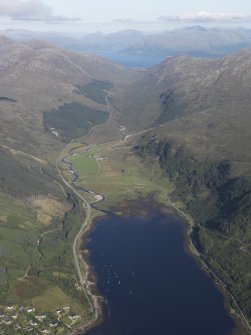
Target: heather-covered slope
x=48, y=97
x=37, y=77
x=200, y=140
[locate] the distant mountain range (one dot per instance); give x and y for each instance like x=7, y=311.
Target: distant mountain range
x=194, y=41
x=195, y=114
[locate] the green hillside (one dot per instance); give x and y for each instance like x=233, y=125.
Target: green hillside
x=200, y=139
x=179, y=132
x=48, y=98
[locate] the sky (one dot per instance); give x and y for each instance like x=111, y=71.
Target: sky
x=112, y=15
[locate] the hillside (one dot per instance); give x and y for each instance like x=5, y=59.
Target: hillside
x=200, y=139
x=48, y=97
x=195, y=116
x=36, y=78
x=203, y=103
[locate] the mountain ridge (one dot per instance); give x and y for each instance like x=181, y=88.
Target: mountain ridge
x=188, y=119
x=200, y=141
x=41, y=78
x=192, y=40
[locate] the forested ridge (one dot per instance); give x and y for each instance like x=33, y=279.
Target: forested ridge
x=220, y=205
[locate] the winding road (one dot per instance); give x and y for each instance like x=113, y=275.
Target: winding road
x=84, y=283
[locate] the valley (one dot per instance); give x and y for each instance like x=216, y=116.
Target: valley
x=81, y=129
x=40, y=216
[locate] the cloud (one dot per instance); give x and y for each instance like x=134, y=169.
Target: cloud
x=30, y=10
x=201, y=17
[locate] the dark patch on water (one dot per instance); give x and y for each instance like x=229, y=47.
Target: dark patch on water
x=151, y=285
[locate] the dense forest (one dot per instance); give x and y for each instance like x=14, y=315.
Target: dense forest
x=95, y=90
x=220, y=205
x=73, y=120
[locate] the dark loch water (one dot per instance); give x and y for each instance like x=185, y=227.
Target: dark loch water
x=151, y=284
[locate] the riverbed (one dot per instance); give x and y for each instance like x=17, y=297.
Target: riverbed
x=150, y=284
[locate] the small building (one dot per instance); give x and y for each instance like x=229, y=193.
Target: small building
x=40, y=317
x=8, y=322
x=53, y=325
x=30, y=310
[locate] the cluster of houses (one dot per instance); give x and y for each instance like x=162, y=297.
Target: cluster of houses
x=24, y=320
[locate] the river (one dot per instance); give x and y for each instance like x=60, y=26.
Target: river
x=150, y=283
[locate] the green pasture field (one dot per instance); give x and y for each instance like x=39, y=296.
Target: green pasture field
x=121, y=176
x=85, y=165
x=40, y=276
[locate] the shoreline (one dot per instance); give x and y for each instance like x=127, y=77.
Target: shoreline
x=89, y=285
x=189, y=247
x=91, y=276
x=242, y=327
x=96, y=300
x=92, y=298
x=91, y=288
x=84, y=282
